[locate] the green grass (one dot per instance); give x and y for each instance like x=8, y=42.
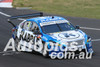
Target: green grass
x=75, y=8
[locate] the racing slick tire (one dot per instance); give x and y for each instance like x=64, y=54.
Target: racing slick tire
x=45, y=53
x=16, y=40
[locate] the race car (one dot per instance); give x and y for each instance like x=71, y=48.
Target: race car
x=41, y=31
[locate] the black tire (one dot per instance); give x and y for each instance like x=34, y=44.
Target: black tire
x=16, y=42
x=44, y=52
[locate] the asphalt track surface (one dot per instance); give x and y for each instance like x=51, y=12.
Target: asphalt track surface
x=37, y=60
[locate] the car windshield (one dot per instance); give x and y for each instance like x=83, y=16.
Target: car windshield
x=57, y=27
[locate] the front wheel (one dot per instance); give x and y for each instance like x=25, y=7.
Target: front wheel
x=45, y=53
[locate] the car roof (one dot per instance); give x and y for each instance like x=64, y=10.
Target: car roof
x=46, y=19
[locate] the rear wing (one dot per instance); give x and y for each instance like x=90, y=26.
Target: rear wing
x=23, y=16
x=27, y=15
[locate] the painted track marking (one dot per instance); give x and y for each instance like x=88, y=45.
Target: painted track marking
x=90, y=28
x=95, y=40
x=4, y=14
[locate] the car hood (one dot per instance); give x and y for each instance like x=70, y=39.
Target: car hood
x=67, y=35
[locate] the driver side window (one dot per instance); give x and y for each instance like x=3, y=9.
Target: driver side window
x=31, y=26
x=35, y=27
x=27, y=25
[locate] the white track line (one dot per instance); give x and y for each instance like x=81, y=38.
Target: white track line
x=5, y=14
x=9, y=15
x=90, y=28
x=96, y=40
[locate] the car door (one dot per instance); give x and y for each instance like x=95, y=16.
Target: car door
x=37, y=38
x=20, y=28
x=29, y=31
x=24, y=32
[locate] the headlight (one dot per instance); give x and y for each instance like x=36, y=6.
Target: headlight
x=89, y=39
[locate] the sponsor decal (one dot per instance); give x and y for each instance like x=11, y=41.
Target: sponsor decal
x=53, y=22
x=68, y=35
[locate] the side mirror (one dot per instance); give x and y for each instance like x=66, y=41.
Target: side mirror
x=77, y=27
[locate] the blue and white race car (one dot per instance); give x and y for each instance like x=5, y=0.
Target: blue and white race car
x=33, y=33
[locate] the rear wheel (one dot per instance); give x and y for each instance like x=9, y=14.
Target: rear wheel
x=16, y=43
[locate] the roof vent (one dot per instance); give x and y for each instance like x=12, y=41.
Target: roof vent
x=52, y=17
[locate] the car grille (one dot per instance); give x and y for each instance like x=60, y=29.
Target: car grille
x=80, y=42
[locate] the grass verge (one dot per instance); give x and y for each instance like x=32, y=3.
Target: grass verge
x=75, y=8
